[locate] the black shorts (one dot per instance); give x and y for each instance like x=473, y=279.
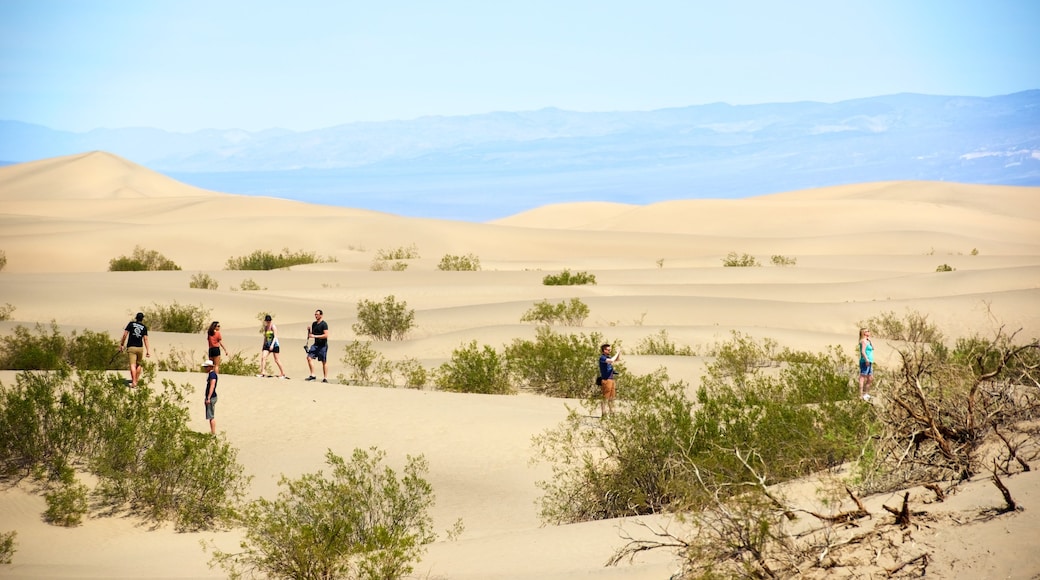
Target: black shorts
x=214, y=351
x=275, y=349
x=318, y=352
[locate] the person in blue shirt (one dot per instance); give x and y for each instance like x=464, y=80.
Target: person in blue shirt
x=607, y=383
x=866, y=363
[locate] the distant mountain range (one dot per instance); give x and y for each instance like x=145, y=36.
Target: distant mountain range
x=480, y=167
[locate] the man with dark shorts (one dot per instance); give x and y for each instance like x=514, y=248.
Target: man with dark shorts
x=135, y=342
x=319, y=331
x=211, y=396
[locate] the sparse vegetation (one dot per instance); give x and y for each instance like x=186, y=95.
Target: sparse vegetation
x=267, y=260
x=249, y=285
x=783, y=260
x=401, y=253
x=388, y=320
x=385, y=265
x=467, y=263
x=7, y=546
x=659, y=344
x=944, y=268
x=203, y=281
x=567, y=278
x=3, y=260
x=360, y=521
x=66, y=503
x=734, y=260
x=572, y=313
x=6, y=311
x=474, y=369
x=50, y=349
x=141, y=260
x=974, y=252
x=176, y=317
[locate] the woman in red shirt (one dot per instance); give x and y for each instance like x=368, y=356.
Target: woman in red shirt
x=215, y=344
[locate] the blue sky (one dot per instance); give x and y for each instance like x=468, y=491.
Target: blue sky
x=186, y=65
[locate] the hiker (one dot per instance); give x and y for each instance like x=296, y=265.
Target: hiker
x=866, y=363
x=606, y=379
x=135, y=341
x=270, y=346
x=214, y=343
x=211, y=395
x=319, y=331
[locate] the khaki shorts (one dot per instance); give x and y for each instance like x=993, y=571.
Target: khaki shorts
x=608, y=389
x=135, y=353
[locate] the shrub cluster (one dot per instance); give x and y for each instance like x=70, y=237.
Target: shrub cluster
x=566, y=278
x=176, y=317
x=474, y=369
x=6, y=310
x=7, y=546
x=734, y=260
x=572, y=313
x=267, y=260
x=203, y=281
x=659, y=344
x=134, y=441
x=386, y=320
x=944, y=268
x=555, y=364
x=49, y=349
x=401, y=253
x=467, y=263
x=249, y=285
x=369, y=367
x=140, y=260
x=779, y=260
x=360, y=521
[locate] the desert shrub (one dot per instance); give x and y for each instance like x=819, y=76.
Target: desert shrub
x=249, y=284
x=554, y=364
x=176, y=317
x=974, y=252
x=66, y=504
x=3, y=260
x=912, y=327
x=467, y=263
x=414, y=374
x=401, y=253
x=6, y=310
x=360, y=358
x=572, y=313
x=734, y=260
x=203, y=281
x=566, y=278
x=388, y=320
x=660, y=451
x=659, y=344
x=474, y=369
x=140, y=260
x=49, y=349
x=944, y=268
x=742, y=354
x=360, y=521
x=7, y=546
x=135, y=441
x=779, y=260
x=267, y=260
x=384, y=266
x=239, y=364
x=179, y=361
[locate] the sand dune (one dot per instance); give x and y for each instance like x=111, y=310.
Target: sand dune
x=861, y=250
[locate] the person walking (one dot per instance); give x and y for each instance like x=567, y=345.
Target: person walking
x=606, y=381
x=270, y=346
x=214, y=343
x=211, y=395
x=319, y=331
x=135, y=342
x=866, y=364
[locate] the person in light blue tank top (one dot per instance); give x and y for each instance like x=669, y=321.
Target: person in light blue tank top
x=866, y=363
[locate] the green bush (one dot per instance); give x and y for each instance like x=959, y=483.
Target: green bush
x=401, y=253
x=266, y=260
x=388, y=320
x=414, y=373
x=734, y=260
x=141, y=260
x=557, y=365
x=360, y=358
x=176, y=317
x=467, y=263
x=43, y=350
x=7, y=546
x=6, y=310
x=474, y=369
x=571, y=313
x=179, y=361
x=134, y=441
x=203, y=281
x=384, y=265
x=944, y=268
x=3, y=259
x=912, y=327
x=783, y=260
x=238, y=364
x=361, y=521
x=67, y=504
x=249, y=285
x=660, y=345
x=566, y=278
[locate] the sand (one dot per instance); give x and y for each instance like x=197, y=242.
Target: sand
x=861, y=250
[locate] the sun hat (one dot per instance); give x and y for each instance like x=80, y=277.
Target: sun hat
x=208, y=363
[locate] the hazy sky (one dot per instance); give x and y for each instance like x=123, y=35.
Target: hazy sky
x=186, y=65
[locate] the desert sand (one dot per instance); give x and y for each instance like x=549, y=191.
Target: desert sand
x=861, y=250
